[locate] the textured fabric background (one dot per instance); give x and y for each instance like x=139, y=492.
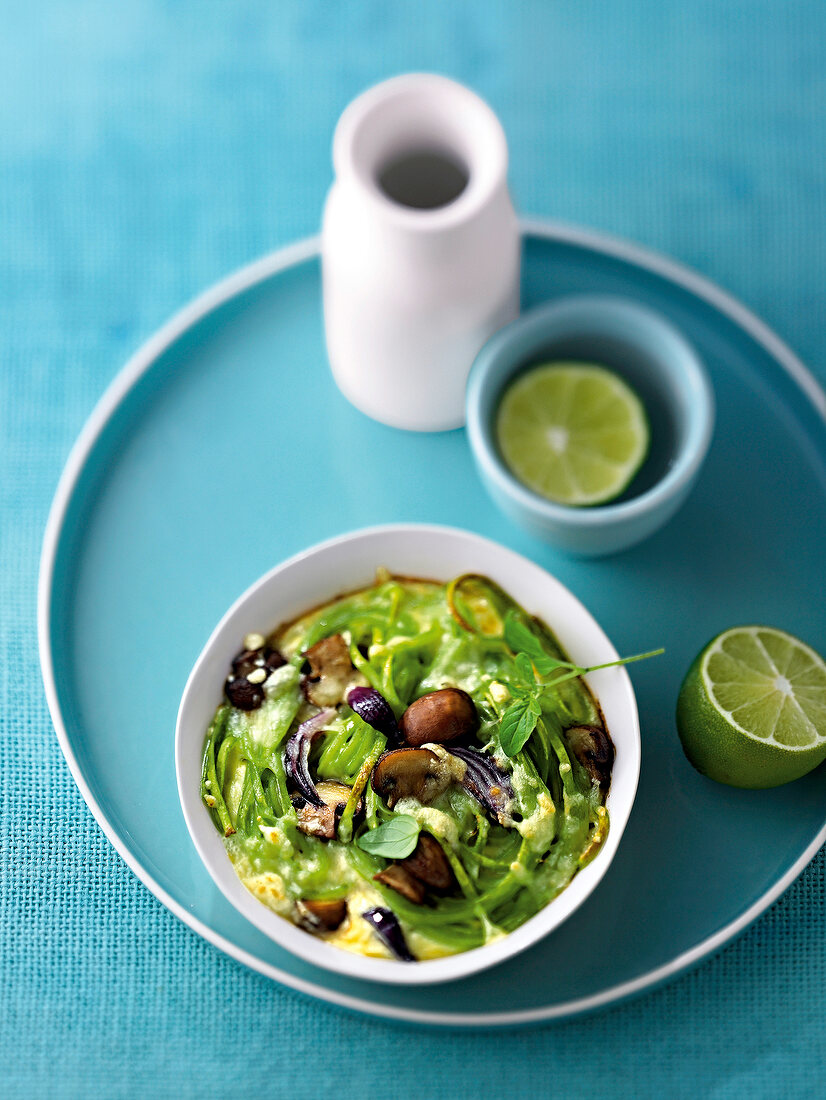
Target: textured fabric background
x=147, y=148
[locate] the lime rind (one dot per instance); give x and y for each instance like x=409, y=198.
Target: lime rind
x=759, y=660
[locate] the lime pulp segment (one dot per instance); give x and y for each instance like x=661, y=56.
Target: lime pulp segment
x=768, y=685
x=575, y=433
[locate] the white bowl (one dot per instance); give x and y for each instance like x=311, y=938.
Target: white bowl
x=342, y=565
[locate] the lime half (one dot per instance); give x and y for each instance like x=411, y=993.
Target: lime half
x=752, y=708
x=575, y=433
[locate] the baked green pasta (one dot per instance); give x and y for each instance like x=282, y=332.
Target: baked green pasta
x=410, y=771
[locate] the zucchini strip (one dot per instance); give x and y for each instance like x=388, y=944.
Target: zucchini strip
x=211, y=791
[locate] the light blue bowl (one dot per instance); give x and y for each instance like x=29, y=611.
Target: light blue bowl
x=656, y=361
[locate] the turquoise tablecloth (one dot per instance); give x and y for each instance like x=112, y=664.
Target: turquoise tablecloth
x=147, y=148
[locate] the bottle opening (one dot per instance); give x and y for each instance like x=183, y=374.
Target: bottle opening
x=423, y=179
x=424, y=146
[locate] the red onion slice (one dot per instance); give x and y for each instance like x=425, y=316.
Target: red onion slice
x=387, y=927
x=373, y=709
x=483, y=779
x=297, y=755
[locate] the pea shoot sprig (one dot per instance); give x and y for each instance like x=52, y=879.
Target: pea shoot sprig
x=529, y=691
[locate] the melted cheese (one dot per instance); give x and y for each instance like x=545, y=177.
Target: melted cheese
x=355, y=933
x=450, y=769
x=538, y=829
x=433, y=820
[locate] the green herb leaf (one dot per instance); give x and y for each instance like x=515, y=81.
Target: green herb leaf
x=529, y=649
x=518, y=723
x=396, y=839
x=525, y=668
x=520, y=718
x=520, y=639
x=546, y=665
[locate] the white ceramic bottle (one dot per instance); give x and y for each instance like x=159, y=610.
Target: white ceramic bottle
x=420, y=248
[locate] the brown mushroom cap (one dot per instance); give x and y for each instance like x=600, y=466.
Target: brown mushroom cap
x=320, y=916
x=439, y=716
x=409, y=773
x=429, y=864
x=403, y=882
x=594, y=750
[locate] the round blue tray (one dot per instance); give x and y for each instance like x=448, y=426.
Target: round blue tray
x=224, y=447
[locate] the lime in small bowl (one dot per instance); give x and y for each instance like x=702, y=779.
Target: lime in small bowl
x=614, y=391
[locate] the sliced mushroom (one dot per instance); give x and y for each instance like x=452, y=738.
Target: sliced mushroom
x=410, y=773
x=318, y=821
x=320, y=916
x=403, y=882
x=332, y=793
x=330, y=671
x=439, y=716
x=321, y=821
x=429, y=864
x=594, y=750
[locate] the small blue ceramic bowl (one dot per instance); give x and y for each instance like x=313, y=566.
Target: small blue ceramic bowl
x=655, y=360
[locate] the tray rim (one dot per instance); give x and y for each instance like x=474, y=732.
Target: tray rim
x=140, y=362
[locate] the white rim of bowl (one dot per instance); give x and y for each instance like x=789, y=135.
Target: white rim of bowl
x=140, y=362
